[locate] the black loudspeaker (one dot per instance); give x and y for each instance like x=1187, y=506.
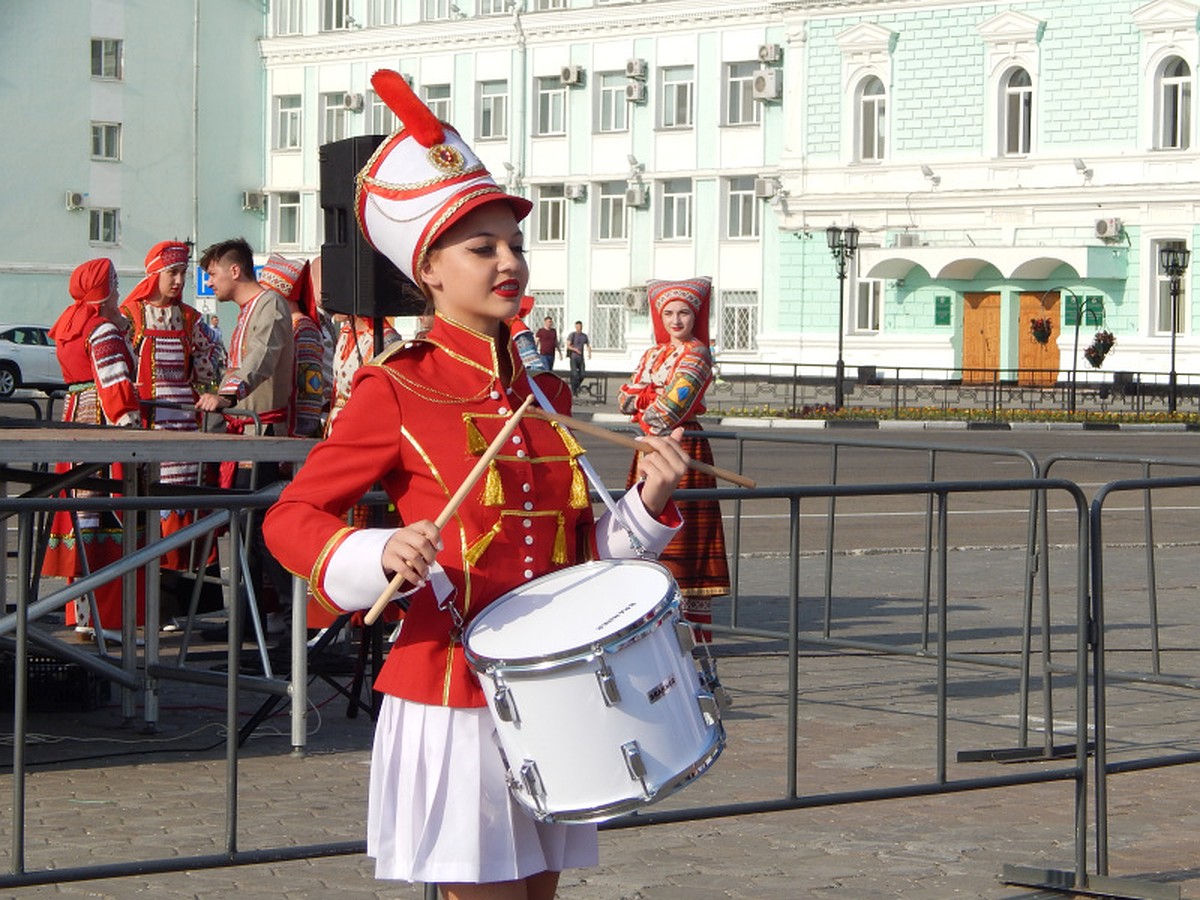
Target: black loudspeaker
x=355, y=278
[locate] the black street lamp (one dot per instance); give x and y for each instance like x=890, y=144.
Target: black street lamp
x=1174, y=262
x=842, y=244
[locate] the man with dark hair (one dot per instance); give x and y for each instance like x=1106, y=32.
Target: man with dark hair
x=577, y=342
x=547, y=343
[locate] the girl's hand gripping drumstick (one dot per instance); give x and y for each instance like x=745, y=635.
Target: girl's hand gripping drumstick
x=452, y=505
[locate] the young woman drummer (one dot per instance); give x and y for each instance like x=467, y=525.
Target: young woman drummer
x=418, y=419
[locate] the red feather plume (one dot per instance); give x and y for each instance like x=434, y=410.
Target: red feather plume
x=418, y=120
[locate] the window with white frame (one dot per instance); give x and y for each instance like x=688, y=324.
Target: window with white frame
x=289, y=16
x=493, y=110
x=437, y=98
x=611, y=112
x=108, y=58
x=742, y=210
x=872, y=120
x=551, y=214
x=333, y=14
x=287, y=122
x=436, y=10
x=606, y=330
x=287, y=218
x=678, y=85
x=610, y=211
x=1018, y=113
x=543, y=5
x=552, y=304
x=106, y=141
x=740, y=108
x=383, y=119
x=383, y=12
x=1164, y=314
x=868, y=305
x=1173, y=105
x=493, y=7
x=334, y=121
x=551, y=106
x=676, y=206
x=104, y=225
x=739, y=320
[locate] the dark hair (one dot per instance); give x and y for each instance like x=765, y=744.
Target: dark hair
x=238, y=248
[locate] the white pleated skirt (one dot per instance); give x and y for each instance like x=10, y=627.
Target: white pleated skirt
x=440, y=811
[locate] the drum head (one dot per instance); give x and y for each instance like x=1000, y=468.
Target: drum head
x=570, y=610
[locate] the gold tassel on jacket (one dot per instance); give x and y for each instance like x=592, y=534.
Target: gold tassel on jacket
x=559, y=556
x=476, y=549
x=476, y=445
x=493, y=490
x=579, y=492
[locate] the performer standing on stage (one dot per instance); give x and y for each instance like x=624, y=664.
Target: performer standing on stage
x=355, y=346
x=418, y=418
x=97, y=365
x=665, y=393
x=175, y=353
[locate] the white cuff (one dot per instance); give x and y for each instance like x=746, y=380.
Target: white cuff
x=354, y=577
x=613, y=541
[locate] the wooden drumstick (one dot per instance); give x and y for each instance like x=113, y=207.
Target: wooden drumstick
x=625, y=441
x=452, y=505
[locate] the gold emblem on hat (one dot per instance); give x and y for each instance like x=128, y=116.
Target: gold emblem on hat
x=446, y=159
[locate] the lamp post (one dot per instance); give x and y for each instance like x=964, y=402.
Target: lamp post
x=1174, y=262
x=843, y=242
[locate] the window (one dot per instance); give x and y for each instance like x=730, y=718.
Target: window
x=549, y=303
x=383, y=120
x=1174, y=106
x=334, y=117
x=493, y=7
x=543, y=5
x=437, y=98
x=872, y=120
x=606, y=331
x=868, y=304
x=436, y=10
x=742, y=213
x=676, y=222
x=610, y=212
x=287, y=230
x=1164, y=315
x=334, y=14
x=288, y=17
x=610, y=102
x=740, y=108
x=287, y=122
x=493, y=109
x=104, y=225
x=383, y=12
x=108, y=58
x=1018, y=113
x=106, y=141
x=551, y=214
x=677, y=86
x=739, y=320
x=551, y=106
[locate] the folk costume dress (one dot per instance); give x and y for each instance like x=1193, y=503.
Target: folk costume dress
x=175, y=352
x=97, y=365
x=667, y=392
x=416, y=422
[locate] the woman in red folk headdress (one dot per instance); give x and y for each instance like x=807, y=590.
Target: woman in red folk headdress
x=665, y=393
x=97, y=365
x=418, y=419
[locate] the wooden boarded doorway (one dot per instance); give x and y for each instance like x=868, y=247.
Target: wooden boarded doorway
x=981, y=338
x=1038, y=362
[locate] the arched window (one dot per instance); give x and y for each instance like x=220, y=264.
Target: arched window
x=872, y=120
x=1174, y=105
x=1018, y=113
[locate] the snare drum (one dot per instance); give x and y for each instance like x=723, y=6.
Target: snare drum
x=598, y=704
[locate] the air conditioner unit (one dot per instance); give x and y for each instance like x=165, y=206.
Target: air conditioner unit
x=635, y=196
x=767, y=85
x=1108, y=229
x=253, y=200
x=769, y=53
x=907, y=239
x=765, y=188
x=352, y=102
x=634, y=298
x=635, y=91
x=575, y=191
x=635, y=68
x=75, y=200
x=571, y=75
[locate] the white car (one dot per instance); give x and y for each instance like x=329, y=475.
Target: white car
x=27, y=359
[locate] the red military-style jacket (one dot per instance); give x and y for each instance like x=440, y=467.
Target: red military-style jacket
x=418, y=418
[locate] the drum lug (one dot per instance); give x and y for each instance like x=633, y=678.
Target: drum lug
x=608, y=684
x=686, y=636
x=506, y=706
x=709, y=708
x=636, y=765
x=531, y=780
